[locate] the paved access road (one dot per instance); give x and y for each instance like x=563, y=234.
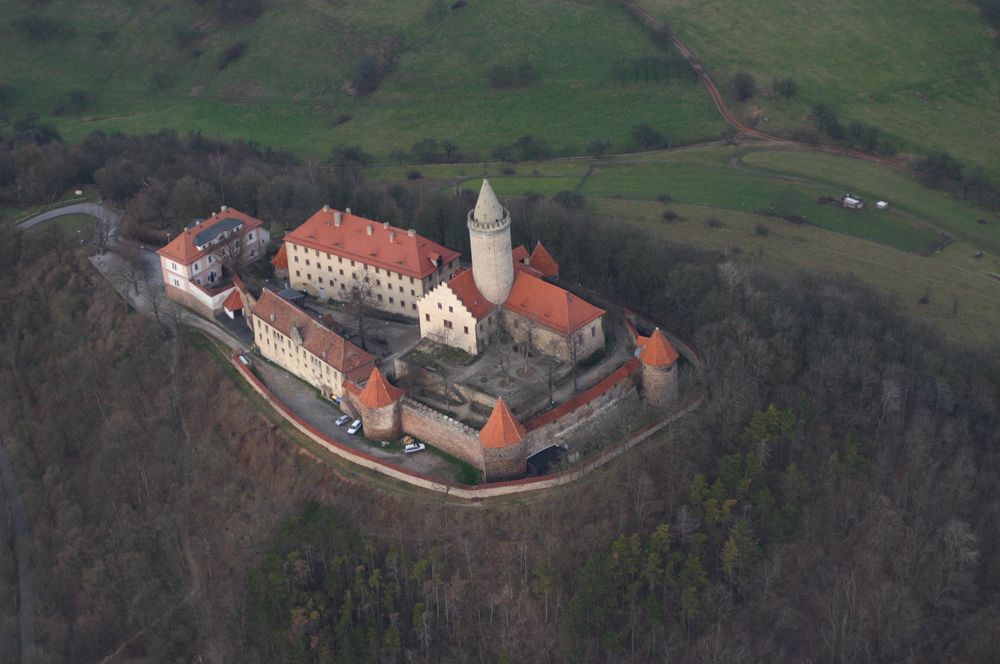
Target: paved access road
x=93, y=209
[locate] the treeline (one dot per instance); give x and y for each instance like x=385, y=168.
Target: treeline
x=943, y=171
x=867, y=138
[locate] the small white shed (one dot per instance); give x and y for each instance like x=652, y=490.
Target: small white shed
x=882, y=205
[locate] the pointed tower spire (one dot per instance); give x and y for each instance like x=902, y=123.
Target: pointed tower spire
x=489, y=240
x=502, y=429
x=379, y=392
x=658, y=352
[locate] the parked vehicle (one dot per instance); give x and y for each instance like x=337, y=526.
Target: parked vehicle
x=245, y=360
x=414, y=447
x=355, y=427
x=343, y=419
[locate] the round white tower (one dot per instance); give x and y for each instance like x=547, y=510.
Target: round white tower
x=489, y=236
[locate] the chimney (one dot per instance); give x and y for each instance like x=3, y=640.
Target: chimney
x=412, y=232
x=338, y=218
x=347, y=210
x=392, y=236
x=223, y=208
x=326, y=208
x=369, y=229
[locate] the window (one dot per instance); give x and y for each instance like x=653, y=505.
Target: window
x=439, y=305
x=413, y=293
x=466, y=328
x=317, y=251
x=391, y=301
x=448, y=324
x=177, y=283
x=211, y=259
x=593, y=332
x=196, y=268
x=427, y=317
x=173, y=266
x=341, y=286
x=380, y=297
x=352, y=263
x=249, y=236
x=341, y=272
x=400, y=289
x=340, y=259
x=451, y=310
x=411, y=280
x=402, y=303
x=307, y=262
x=329, y=268
x=414, y=305
x=376, y=270
x=309, y=276
x=298, y=274
x=319, y=279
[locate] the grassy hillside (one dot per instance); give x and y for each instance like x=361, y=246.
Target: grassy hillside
x=144, y=66
x=925, y=71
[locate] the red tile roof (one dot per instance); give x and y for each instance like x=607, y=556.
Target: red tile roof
x=234, y=302
x=325, y=344
x=387, y=247
x=379, y=392
x=520, y=253
x=542, y=261
x=585, y=397
x=280, y=260
x=657, y=351
x=465, y=289
x=182, y=248
x=549, y=305
x=502, y=429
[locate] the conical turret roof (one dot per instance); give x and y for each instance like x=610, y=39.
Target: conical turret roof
x=542, y=261
x=658, y=352
x=502, y=429
x=379, y=392
x=488, y=209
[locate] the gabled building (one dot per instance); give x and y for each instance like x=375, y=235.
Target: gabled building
x=334, y=253
x=505, y=292
x=297, y=342
x=194, y=264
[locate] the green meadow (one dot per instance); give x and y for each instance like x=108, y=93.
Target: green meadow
x=926, y=72
x=146, y=66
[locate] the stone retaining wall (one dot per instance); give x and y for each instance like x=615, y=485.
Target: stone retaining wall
x=442, y=432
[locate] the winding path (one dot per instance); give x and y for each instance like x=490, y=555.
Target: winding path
x=92, y=209
x=25, y=591
x=727, y=114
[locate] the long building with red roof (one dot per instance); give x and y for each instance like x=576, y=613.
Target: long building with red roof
x=335, y=253
x=195, y=264
x=294, y=340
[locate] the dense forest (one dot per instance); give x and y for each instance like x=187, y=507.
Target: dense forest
x=833, y=501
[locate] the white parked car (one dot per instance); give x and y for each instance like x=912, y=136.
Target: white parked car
x=343, y=419
x=414, y=447
x=355, y=427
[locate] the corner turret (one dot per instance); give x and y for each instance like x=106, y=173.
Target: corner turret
x=504, y=450
x=659, y=370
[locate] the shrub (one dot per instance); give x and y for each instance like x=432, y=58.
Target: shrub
x=239, y=10
x=41, y=28
x=8, y=95
x=341, y=119
x=713, y=222
x=744, y=85
x=571, y=200
x=796, y=219
x=458, y=4
x=231, y=54
x=105, y=37
x=762, y=229
x=74, y=101
x=786, y=88
x=413, y=175
x=664, y=197
x=646, y=137
x=183, y=35
x=982, y=222
x=670, y=215
x=507, y=170
x=513, y=75
x=598, y=147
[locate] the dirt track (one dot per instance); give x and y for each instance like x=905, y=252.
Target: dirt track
x=731, y=119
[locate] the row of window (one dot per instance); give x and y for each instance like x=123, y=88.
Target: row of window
x=447, y=323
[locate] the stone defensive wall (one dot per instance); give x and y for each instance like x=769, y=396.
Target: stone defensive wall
x=585, y=410
x=443, y=432
x=470, y=493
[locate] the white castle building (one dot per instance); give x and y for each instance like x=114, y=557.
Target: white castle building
x=505, y=293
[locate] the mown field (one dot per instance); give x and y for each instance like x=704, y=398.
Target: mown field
x=925, y=71
x=146, y=66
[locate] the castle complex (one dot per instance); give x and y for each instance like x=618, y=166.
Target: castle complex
x=505, y=297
